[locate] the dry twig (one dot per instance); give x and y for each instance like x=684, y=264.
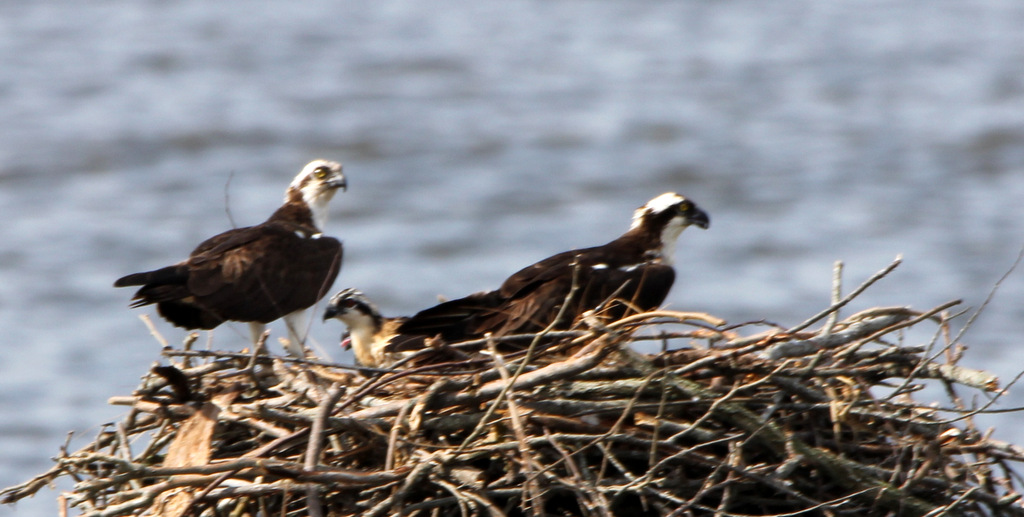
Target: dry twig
x=781, y=423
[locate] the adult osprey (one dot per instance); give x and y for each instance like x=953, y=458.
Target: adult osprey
x=259, y=273
x=632, y=273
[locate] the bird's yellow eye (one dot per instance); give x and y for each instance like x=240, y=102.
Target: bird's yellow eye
x=685, y=206
x=320, y=173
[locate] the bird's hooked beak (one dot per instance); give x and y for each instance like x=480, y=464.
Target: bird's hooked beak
x=331, y=311
x=698, y=217
x=338, y=182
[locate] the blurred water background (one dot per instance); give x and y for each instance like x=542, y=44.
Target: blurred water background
x=481, y=135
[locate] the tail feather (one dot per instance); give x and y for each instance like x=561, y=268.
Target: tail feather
x=166, y=275
x=139, y=301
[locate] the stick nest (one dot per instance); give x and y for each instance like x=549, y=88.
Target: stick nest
x=751, y=419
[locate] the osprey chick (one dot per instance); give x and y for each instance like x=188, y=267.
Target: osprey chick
x=373, y=337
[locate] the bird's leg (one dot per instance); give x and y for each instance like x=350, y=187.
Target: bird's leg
x=256, y=331
x=296, y=323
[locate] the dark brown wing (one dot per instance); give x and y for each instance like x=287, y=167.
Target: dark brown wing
x=422, y=349
x=487, y=311
x=532, y=298
x=219, y=244
x=616, y=292
x=263, y=275
x=531, y=277
x=178, y=274
x=257, y=273
x=454, y=320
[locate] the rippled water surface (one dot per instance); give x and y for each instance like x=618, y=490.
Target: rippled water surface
x=479, y=136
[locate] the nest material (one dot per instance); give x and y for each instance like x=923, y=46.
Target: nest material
x=782, y=422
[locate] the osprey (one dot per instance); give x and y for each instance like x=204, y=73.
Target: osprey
x=375, y=340
x=632, y=273
x=259, y=273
